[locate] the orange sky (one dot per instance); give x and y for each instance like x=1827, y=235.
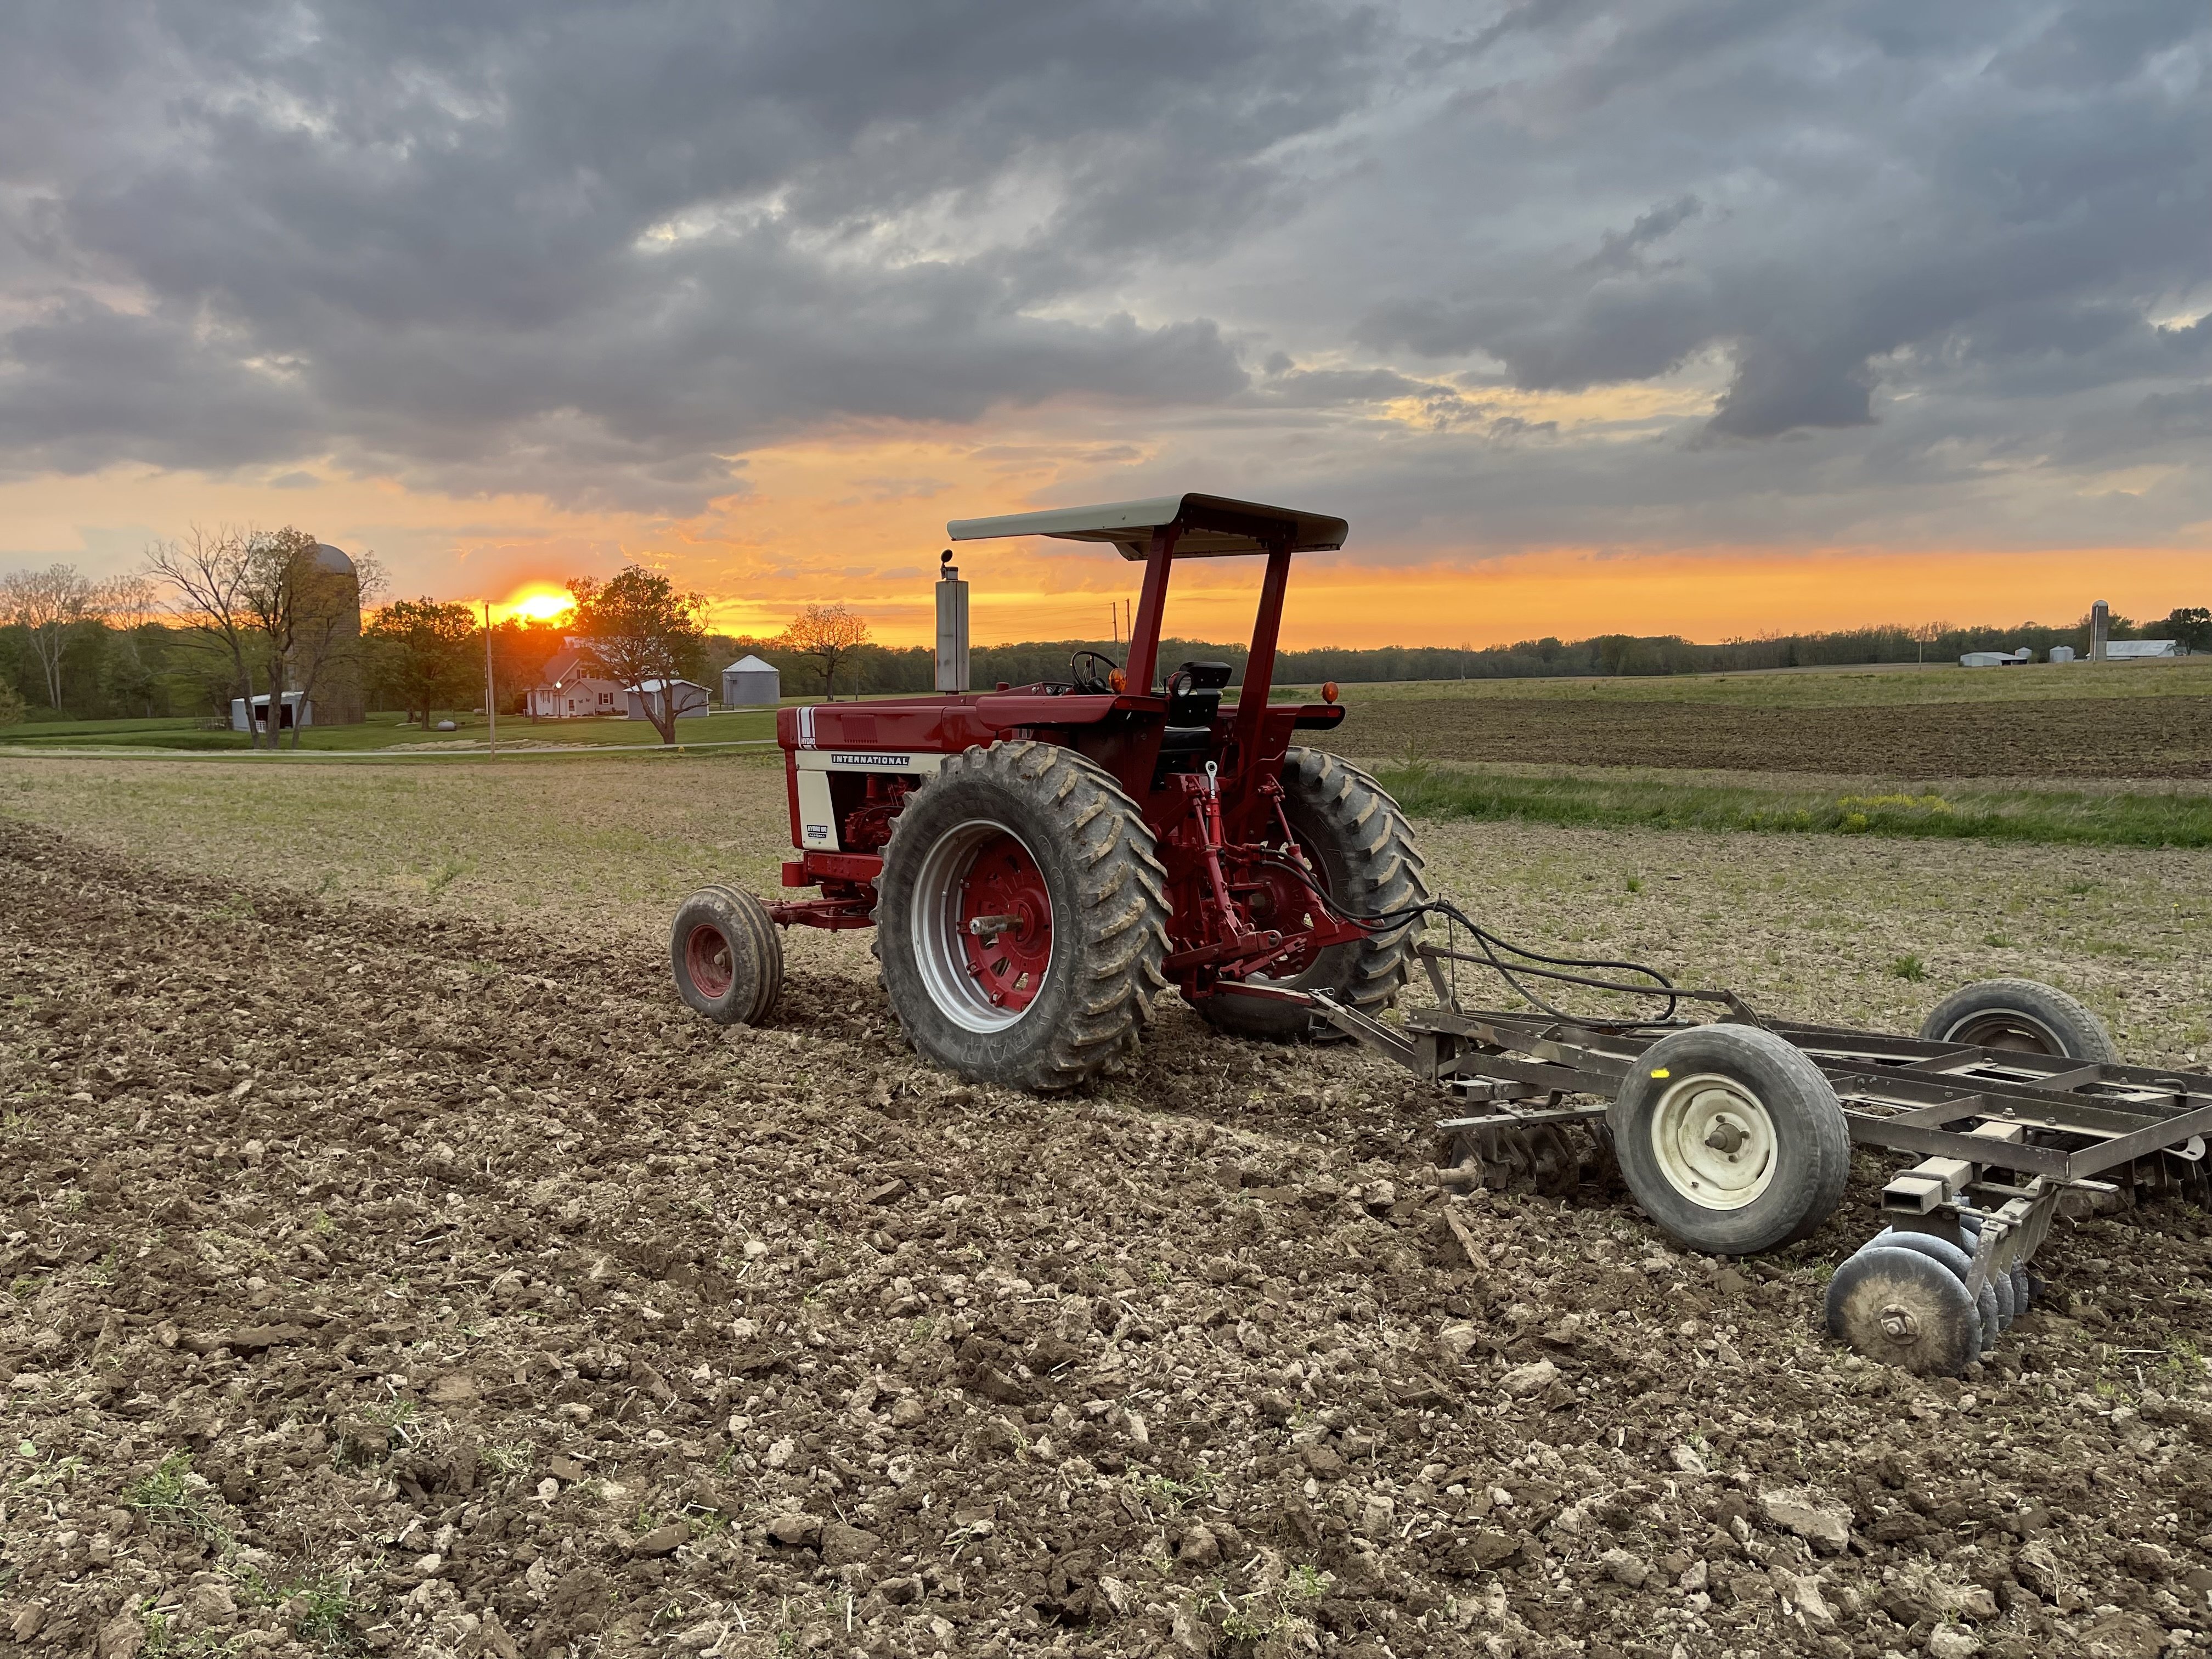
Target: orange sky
x=861, y=524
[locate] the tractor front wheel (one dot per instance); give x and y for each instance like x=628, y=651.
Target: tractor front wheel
x=727, y=956
x=1352, y=835
x=1022, y=917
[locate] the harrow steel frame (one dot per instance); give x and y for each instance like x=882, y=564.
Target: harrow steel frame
x=2003, y=1135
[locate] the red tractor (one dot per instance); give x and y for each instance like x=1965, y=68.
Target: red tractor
x=1039, y=860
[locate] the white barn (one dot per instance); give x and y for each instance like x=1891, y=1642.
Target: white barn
x=749, y=683
x=690, y=698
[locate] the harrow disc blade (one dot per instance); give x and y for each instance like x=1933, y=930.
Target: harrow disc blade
x=1905, y=1308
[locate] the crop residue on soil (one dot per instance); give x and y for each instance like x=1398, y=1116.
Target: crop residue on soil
x=387, y=1281
x=2073, y=738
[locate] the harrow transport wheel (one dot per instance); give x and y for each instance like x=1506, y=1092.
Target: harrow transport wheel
x=1362, y=848
x=1905, y=1307
x=1022, y=917
x=1731, y=1140
x=727, y=956
x=2022, y=1014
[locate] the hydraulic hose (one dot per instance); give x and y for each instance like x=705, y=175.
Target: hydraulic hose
x=1524, y=961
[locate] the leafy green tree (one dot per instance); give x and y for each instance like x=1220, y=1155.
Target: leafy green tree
x=428, y=651
x=2191, y=624
x=643, y=632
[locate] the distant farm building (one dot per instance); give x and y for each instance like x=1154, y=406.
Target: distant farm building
x=574, y=687
x=298, y=709
x=2135, y=650
x=749, y=683
x=1996, y=659
x=690, y=698
x=330, y=626
x=2062, y=654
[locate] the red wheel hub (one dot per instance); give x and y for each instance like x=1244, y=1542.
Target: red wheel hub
x=707, y=959
x=1005, y=914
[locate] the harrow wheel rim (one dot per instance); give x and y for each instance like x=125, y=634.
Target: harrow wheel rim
x=1714, y=1141
x=981, y=871
x=2006, y=1028
x=709, y=961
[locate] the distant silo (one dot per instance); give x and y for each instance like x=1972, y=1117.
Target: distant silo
x=330, y=640
x=749, y=683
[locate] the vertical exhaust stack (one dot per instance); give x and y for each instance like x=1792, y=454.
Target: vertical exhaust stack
x=2100, y=628
x=951, y=627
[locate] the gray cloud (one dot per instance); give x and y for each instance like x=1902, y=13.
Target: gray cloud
x=1934, y=264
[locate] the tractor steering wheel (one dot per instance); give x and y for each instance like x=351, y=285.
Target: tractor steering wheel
x=1091, y=685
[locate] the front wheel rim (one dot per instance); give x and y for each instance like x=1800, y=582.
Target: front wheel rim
x=983, y=979
x=1715, y=1141
x=709, y=961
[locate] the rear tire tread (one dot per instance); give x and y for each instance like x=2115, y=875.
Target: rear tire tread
x=1120, y=931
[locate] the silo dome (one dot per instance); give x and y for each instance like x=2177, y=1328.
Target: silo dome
x=333, y=559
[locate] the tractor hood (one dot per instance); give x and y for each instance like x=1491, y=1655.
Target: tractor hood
x=1214, y=526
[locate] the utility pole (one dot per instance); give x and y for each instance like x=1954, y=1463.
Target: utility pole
x=491, y=684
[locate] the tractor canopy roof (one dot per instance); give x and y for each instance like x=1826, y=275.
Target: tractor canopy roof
x=1213, y=526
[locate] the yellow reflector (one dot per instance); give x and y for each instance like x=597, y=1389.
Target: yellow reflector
x=1661, y=1071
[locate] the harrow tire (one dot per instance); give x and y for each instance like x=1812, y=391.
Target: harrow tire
x=1905, y=1307
x=2024, y=1014
x=1740, y=1080
x=727, y=956
x=1369, y=866
x=1086, y=860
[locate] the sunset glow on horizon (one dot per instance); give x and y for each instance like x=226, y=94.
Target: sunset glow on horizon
x=1815, y=340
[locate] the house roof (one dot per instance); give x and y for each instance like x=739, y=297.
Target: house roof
x=565, y=665
x=751, y=665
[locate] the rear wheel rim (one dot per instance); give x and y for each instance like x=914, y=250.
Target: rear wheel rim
x=1714, y=1141
x=2006, y=1028
x=709, y=961
x=982, y=871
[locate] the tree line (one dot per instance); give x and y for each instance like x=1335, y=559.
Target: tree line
x=860, y=667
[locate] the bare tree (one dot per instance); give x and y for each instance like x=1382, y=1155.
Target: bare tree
x=644, y=634
x=1925, y=634
x=209, y=574
x=827, y=633
x=45, y=605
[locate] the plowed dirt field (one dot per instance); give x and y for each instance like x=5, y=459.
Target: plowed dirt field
x=2167, y=736
x=389, y=1279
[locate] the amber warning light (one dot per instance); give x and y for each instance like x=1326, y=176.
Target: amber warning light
x=1328, y=691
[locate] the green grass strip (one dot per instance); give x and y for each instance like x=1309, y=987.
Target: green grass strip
x=2082, y=817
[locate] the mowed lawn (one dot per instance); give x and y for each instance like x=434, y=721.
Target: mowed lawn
x=1857, y=928
x=389, y=731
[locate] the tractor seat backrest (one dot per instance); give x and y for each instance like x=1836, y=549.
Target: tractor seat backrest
x=1194, y=693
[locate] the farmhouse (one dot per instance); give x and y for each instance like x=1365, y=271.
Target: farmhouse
x=573, y=686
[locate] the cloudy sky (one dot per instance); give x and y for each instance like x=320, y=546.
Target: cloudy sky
x=1704, y=315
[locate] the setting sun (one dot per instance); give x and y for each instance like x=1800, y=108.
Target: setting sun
x=537, y=603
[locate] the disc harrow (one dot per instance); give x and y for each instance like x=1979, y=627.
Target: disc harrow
x=1734, y=1134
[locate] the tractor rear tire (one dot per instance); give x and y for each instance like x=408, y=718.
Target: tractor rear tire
x=727, y=956
x=1044, y=846
x=2023, y=1014
x=1369, y=866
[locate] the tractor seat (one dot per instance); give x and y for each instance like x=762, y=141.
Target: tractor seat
x=1194, y=704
